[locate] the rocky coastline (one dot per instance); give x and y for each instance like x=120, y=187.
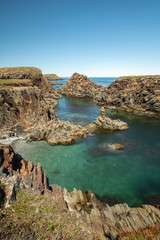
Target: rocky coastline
x=138, y=94
x=27, y=104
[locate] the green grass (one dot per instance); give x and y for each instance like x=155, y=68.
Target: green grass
x=34, y=216
x=134, y=76
x=20, y=69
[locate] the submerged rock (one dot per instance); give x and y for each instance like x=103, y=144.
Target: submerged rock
x=116, y=146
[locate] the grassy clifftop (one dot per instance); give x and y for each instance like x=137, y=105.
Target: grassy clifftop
x=18, y=72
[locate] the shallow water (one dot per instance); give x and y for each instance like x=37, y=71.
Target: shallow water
x=129, y=175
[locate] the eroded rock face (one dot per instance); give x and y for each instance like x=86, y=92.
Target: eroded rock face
x=26, y=98
x=110, y=221
x=80, y=86
x=14, y=170
x=57, y=132
x=141, y=95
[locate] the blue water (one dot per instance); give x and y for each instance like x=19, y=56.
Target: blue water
x=129, y=175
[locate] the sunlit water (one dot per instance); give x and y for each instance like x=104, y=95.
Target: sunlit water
x=129, y=175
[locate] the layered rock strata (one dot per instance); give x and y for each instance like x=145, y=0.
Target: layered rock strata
x=80, y=86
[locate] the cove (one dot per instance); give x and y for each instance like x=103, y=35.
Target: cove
x=130, y=175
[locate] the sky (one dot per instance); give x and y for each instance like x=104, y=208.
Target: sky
x=98, y=38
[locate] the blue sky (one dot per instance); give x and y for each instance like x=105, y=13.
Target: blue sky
x=96, y=38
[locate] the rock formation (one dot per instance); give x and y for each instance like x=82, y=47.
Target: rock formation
x=105, y=123
x=140, y=95
x=110, y=221
x=27, y=103
x=80, y=86
x=52, y=77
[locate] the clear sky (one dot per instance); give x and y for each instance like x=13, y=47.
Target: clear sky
x=92, y=37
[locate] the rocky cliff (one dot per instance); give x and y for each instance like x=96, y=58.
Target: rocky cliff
x=80, y=86
x=94, y=219
x=139, y=94
x=27, y=103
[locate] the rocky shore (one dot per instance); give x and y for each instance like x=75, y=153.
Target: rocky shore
x=137, y=94
x=28, y=110
x=102, y=220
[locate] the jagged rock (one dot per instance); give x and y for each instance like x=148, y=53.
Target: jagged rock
x=106, y=123
x=80, y=86
x=110, y=221
x=31, y=175
x=57, y=132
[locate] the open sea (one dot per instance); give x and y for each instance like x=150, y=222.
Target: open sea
x=131, y=175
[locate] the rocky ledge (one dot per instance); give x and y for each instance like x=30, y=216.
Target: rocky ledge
x=94, y=217
x=80, y=86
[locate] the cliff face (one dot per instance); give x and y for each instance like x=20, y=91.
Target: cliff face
x=26, y=97
x=80, y=86
x=138, y=94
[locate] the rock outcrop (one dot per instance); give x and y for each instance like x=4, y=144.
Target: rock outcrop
x=27, y=106
x=105, y=123
x=57, y=132
x=139, y=94
x=52, y=77
x=80, y=86
x=108, y=221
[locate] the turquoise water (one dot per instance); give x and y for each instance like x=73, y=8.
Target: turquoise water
x=129, y=175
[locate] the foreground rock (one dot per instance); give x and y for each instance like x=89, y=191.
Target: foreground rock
x=139, y=94
x=80, y=86
x=110, y=221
